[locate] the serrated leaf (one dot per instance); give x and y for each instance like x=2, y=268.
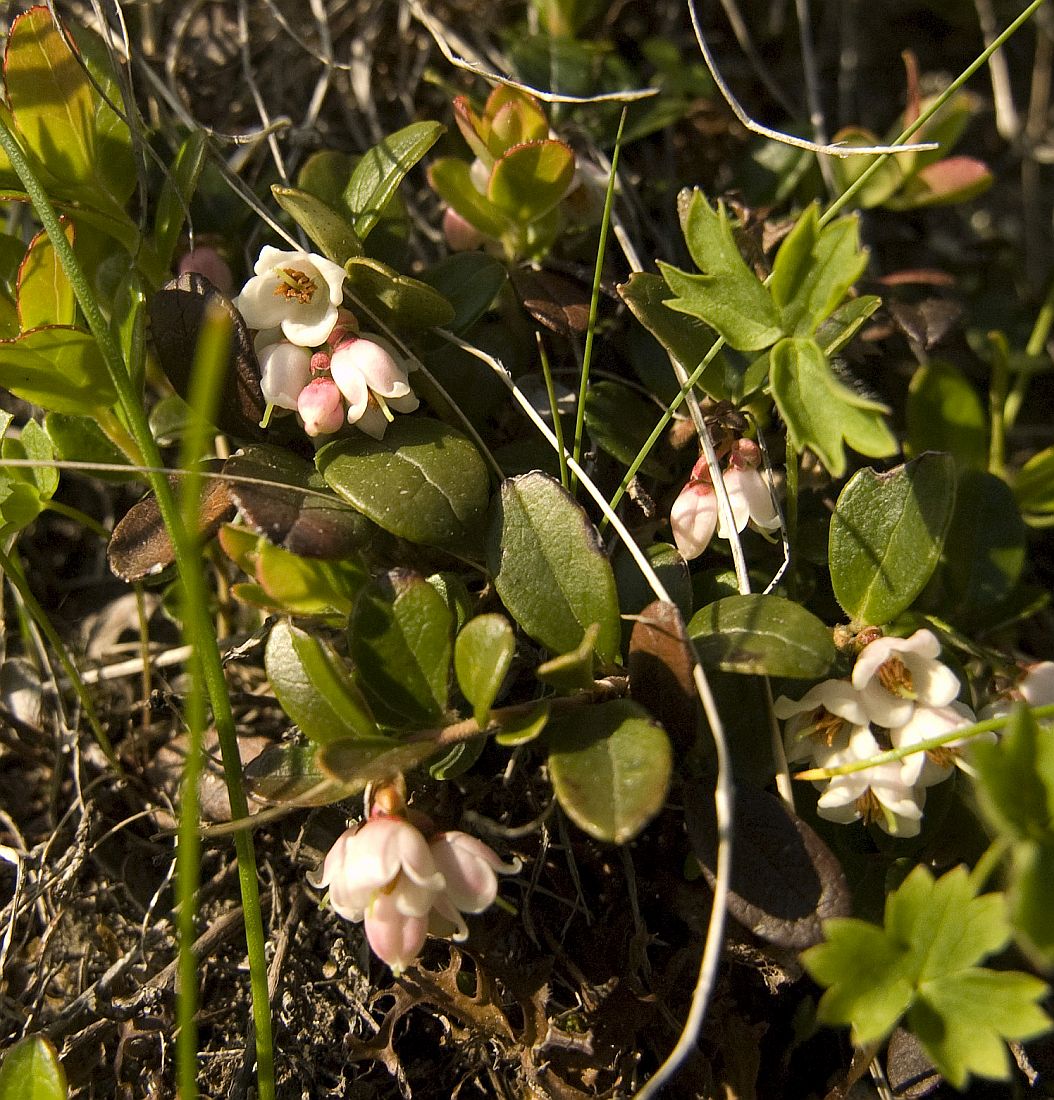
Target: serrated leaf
x=31, y=1070
x=762, y=635
x=945, y=413
x=814, y=269
x=820, y=411
x=45, y=296
x=396, y=300
x=400, y=641
x=739, y=310
x=380, y=171
x=331, y=232
x=548, y=567
x=314, y=688
x=610, y=767
x=887, y=534
x=59, y=368
x=845, y=322
x=528, y=180
x=423, y=481
x=483, y=653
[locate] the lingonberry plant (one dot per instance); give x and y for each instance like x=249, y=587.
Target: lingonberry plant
x=445, y=475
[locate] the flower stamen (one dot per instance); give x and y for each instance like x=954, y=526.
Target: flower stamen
x=895, y=677
x=294, y=285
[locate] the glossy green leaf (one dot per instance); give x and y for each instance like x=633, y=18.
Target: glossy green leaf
x=945, y=413
x=356, y=762
x=762, y=635
x=986, y=546
x=528, y=180
x=58, y=368
x=79, y=438
x=469, y=281
x=814, y=269
x=45, y=296
x=458, y=760
x=31, y=1070
x=821, y=412
x=524, y=725
x=331, y=232
x=634, y=592
x=308, y=586
x=572, y=672
x=396, y=300
x=483, y=655
x=450, y=179
x=610, y=766
x=886, y=536
x=288, y=774
x=314, y=687
x=619, y=422
x=382, y=168
x=173, y=204
x=400, y=640
x=548, y=567
x=423, y=481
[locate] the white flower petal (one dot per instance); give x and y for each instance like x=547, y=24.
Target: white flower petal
x=693, y=519
x=285, y=370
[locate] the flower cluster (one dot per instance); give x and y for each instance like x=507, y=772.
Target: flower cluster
x=694, y=516
x=405, y=887
x=899, y=694
x=313, y=360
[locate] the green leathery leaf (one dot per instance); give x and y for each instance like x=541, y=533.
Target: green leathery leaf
x=45, y=296
x=548, y=567
x=469, y=281
x=314, y=687
x=762, y=635
x=380, y=171
x=400, y=641
x=423, y=481
x=619, y=421
x=524, y=726
x=820, y=412
x=945, y=413
x=358, y=761
x=396, y=300
x=886, y=536
x=685, y=337
x=31, y=1070
x=610, y=766
x=458, y=760
x=81, y=439
x=330, y=230
x=26, y=489
x=528, y=180
x=59, y=368
x=308, y=586
x=450, y=179
x=483, y=653
x=288, y=774
x=571, y=672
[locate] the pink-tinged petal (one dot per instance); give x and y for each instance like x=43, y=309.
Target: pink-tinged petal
x=470, y=870
x=693, y=519
x=411, y=899
x=321, y=407
x=756, y=492
x=415, y=857
x=371, y=421
x=445, y=922
x=461, y=235
x=395, y=938
x=350, y=381
x=379, y=367
x=285, y=370
x=737, y=498
x=1037, y=688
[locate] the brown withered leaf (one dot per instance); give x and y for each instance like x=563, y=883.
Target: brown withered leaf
x=660, y=671
x=785, y=880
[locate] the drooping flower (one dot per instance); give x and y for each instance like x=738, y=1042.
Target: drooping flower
x=299, y=292
x=879, y=794
x=285, y=369
x=470, y=870
x=693, y=518
x=372, y=382
x=748, y=491
x=384, y=874
x=893, y=674
x=934, y=765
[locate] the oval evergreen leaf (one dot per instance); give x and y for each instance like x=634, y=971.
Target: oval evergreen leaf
x=610, y=767
x=423, y=481
x=548, y=567
x=483, y=655
x=31, y=1070
x=762, y=635
x=887, y=533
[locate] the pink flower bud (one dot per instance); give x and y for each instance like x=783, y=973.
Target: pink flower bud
x=320, y=362
x=461, y=235
x=208, y=262
x=693, y=518
x=320, y=407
